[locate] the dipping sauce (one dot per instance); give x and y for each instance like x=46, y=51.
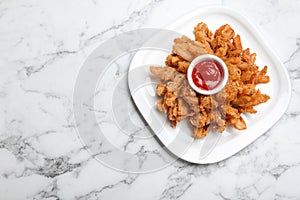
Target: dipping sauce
x=207, y=74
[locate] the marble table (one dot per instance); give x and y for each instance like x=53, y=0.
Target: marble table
x=43, y=45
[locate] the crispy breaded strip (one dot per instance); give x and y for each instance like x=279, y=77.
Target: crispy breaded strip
x=240, y=124
x=163, y=73
x=175, y=61
x=176, y=86
x=204, y=36
x=161, y=89
x=200, y=119
x=201, y=132
x=188, y=49
x=246, y=101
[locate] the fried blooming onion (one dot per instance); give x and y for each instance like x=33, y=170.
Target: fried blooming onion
x=217, y=111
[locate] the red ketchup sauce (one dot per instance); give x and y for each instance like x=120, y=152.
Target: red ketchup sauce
x=207, y=74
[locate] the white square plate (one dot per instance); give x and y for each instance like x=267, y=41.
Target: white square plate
x=231, y=141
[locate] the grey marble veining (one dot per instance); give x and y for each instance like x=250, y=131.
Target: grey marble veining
x=43, y=46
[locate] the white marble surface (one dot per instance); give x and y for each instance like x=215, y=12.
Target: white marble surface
x=43, y=44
